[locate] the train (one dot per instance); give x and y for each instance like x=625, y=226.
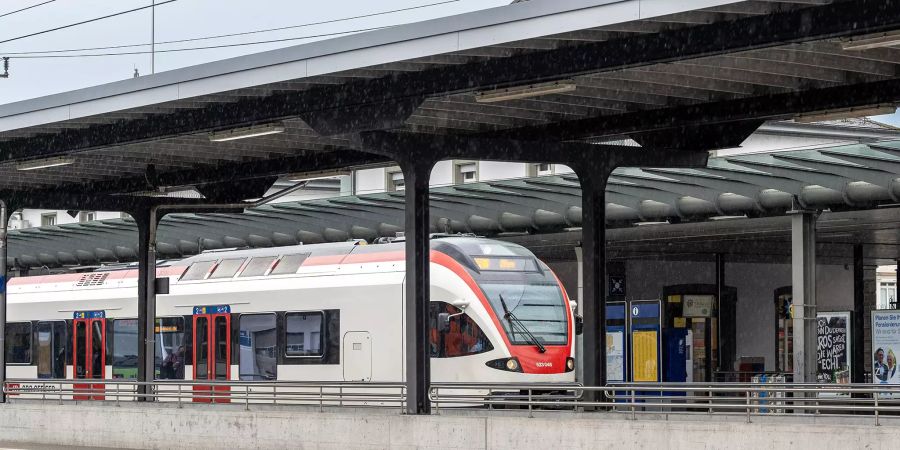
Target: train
x=330, y=312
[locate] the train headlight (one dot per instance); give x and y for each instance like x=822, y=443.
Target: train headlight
x=570, y=364
x=507, y=364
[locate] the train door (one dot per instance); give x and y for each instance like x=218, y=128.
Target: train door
x=357, y=356
x=212, y=352
x=89, y=354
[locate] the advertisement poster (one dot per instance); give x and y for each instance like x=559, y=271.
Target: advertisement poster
x=615, y=356
x=644, y=355
x=833, y=352
x=885, y=346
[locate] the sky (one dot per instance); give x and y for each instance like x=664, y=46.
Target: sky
x=181, y=19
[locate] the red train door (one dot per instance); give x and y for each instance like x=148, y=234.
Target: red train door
x=212, y=351
x=89, y=354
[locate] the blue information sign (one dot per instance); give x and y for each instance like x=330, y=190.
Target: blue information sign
x=215, y=309
x=615, y=342
x=89, y=314
x=2, y=284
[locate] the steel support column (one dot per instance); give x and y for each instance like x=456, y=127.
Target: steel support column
x=4, y=221
x=720, y=292
x=146, y=224
x=593, y=247
x=803, y=274
x=418, y=285
x=857, y=333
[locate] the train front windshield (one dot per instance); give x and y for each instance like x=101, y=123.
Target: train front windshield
x=525, y=296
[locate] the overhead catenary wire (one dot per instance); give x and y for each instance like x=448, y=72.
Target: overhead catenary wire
x=96, y=19
x=209, y=47
x=244, y=33
x=26, y=8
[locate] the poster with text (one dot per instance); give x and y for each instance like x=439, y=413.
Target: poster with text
x=644, y=356
x=833, y=352
x=615, y=356
x=885, y=347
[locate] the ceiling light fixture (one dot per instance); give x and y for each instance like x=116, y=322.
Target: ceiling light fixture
x=244, y=133
x=527, y=91
x=869, y=42
x=45, y=163
x=849, y=113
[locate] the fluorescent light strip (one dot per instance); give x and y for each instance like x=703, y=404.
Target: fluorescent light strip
x=850, y=113
x=520, y=92
x=46, y=163
x=244, y=133
x=890, y=39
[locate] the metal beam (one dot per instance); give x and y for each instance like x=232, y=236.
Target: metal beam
x=858, y=349
x=4, y=222
x=146, y=300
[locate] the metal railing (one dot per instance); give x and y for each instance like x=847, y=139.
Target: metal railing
x=320, y=394
x=743, y=399
x=746, y=399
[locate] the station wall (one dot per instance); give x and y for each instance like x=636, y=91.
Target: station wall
x=755, y=283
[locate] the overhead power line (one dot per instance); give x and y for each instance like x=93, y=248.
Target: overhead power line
x=85, y=21
x=209, y=47
x=26, y=8
x=245, y=33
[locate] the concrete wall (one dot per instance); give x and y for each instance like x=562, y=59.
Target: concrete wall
x=224, y=426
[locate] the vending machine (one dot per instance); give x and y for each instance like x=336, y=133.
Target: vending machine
x=709, y=321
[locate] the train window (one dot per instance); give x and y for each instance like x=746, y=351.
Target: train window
x=51, y=349
x=303, y=334
x=18, y=343
x=227, y=268
x=257, y=267
x=289, y=264
x=464, y=337
x=170, y=348
x=125, y=348
x=198, y=271
x=258, y=341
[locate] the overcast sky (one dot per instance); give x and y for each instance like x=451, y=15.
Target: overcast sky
x=181, y=19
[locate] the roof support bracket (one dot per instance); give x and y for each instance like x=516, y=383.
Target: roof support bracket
x=702, y=137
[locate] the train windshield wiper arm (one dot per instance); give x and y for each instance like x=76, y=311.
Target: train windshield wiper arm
x=513, y=321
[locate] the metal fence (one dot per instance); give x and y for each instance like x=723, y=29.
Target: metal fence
x=744, y=399
x=321, y=394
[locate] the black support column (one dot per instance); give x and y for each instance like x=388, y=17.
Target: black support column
x=418, y=285
x=593, y=231
x=859, y=316
x=146, y=223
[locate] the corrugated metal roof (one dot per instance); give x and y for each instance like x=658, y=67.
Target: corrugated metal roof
x=837, y=178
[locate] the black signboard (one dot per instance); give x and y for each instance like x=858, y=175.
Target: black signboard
x=833, y=353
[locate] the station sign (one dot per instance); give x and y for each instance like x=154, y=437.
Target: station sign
x=89, y=315
x=215, y=309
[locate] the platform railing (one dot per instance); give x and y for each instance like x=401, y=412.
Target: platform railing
x=745, y=399
x=316, y=394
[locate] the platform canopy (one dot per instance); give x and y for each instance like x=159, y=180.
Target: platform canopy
x=710, y=205
x=682, y=75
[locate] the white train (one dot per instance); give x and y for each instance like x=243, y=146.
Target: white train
x=325, y=312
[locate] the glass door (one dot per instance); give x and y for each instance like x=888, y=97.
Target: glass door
x=89, y=357
x=212, y=356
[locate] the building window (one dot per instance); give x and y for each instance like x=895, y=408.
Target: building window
x=394, y=181
x=258, y=343
x=541, y=169
x=303, y=334
x=887, y=295
x=87, y=216
x=48, y=219
x=465, y=172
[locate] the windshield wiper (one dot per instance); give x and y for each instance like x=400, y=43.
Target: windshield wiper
x=513, y=321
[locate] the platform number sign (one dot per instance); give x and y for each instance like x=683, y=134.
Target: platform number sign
x=617, y=285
